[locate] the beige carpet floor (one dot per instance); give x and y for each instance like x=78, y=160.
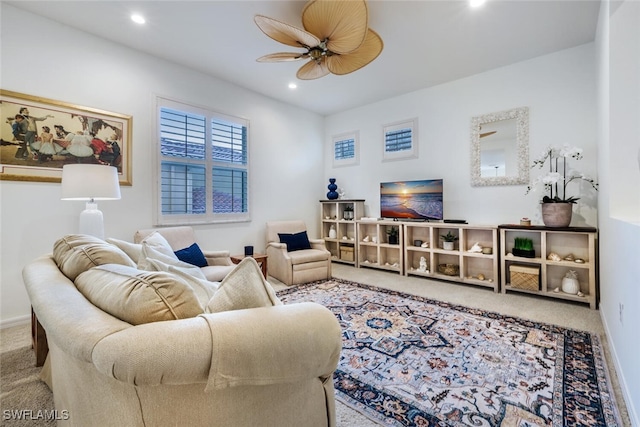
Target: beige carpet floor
x=29, y=393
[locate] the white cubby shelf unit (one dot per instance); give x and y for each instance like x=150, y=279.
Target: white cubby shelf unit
x=579, y=242
x=474, y=268
x=343, y=246
x=374, y=248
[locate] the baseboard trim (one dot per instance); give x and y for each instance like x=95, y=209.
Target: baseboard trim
x=633, y=416
x=16, y=321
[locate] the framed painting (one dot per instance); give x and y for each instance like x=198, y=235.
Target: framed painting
x=38, y=136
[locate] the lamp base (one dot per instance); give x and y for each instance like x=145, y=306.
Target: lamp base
x=91, y=221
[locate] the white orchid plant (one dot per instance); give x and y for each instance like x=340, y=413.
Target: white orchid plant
x=558, y=177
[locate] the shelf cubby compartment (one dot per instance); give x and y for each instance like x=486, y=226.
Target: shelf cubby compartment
x=564, y=244
x=445, y=257
x=368, y=255
x=420, y=233
x=479, y=270
x=412, y=261
x=442, y=231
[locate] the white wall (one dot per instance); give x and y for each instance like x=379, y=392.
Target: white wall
x=559, y=90
x=619, y=168
x=54, y=61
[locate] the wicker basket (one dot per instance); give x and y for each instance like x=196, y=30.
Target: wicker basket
x=449, y=269
x=346, y=253
x=525, y=277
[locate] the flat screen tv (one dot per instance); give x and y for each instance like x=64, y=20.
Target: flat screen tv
x=412, y=200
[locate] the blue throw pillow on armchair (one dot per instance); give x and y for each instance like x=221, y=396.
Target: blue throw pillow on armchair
x=192, y=255
x=296, y=241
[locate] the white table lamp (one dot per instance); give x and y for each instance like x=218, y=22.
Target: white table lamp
x=90, y=182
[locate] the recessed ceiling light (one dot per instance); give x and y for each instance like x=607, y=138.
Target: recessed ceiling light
x=292, y=85
x=476, y=3
x=138, y=19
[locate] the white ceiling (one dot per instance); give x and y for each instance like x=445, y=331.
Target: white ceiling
x=426, y=42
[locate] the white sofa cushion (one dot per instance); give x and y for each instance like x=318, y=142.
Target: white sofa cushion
x=75, y=253
x=244, y=287
x=134, y=250
x=203, y=288
x=157, y=241
x=137, y=296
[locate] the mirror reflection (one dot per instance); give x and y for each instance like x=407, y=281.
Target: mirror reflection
x=499, y=148
x=498, y=154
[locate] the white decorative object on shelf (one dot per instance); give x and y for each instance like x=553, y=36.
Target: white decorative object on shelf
x=423, y=264
x=554, y=257
x=332, y=232
x=570, y=283
x=476, y=248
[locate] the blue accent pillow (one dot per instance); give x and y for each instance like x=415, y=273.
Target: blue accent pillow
x=296, y=241
x=192, y=255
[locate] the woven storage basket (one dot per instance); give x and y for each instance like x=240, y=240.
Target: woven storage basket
x=449, y=269
x=346, y=254
x=525, y=277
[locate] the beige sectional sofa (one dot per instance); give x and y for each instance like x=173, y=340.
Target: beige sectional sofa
x=155, y=355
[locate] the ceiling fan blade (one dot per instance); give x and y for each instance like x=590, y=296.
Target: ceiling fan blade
x=285, y=33
x=345, y=64
x=313, y=70
x=282, y=57
x=342, y=23
x=482, y=135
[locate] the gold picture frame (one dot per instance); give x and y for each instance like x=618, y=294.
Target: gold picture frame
x=39, y=135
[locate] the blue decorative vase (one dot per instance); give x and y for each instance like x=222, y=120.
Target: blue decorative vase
x=332, y=194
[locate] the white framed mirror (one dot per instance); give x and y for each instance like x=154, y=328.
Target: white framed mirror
x=500, y=148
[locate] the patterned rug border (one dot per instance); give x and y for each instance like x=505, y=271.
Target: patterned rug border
x=610, y=406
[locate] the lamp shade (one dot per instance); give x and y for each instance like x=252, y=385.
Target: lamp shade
x=90, y=182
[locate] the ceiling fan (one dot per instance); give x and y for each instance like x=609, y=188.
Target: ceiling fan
x=336, y=38
x=482, y=135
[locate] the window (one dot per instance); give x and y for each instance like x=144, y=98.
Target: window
x=345, y=149
x=203, y=163
x=400, y=140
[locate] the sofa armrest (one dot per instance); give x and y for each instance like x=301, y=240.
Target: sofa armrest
x=318, y=244
x=268, y=345
x=277, y=251
x=279, y=344
x=277, y=245
x=218, y=257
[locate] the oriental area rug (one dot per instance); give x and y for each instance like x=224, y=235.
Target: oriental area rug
x=412, y=361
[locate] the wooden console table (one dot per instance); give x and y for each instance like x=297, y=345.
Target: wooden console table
x=261, y=259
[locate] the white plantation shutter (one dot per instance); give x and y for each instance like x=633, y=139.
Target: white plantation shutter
x=401, y=140
x=203, y=165
x=345, y=149
x=398, y=140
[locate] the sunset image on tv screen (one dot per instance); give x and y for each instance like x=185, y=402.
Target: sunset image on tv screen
x=412, y=199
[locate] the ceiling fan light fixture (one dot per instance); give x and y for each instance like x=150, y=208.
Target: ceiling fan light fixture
x=336, y=38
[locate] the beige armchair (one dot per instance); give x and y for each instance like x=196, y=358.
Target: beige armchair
x=297, y=266
x=219, y=262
